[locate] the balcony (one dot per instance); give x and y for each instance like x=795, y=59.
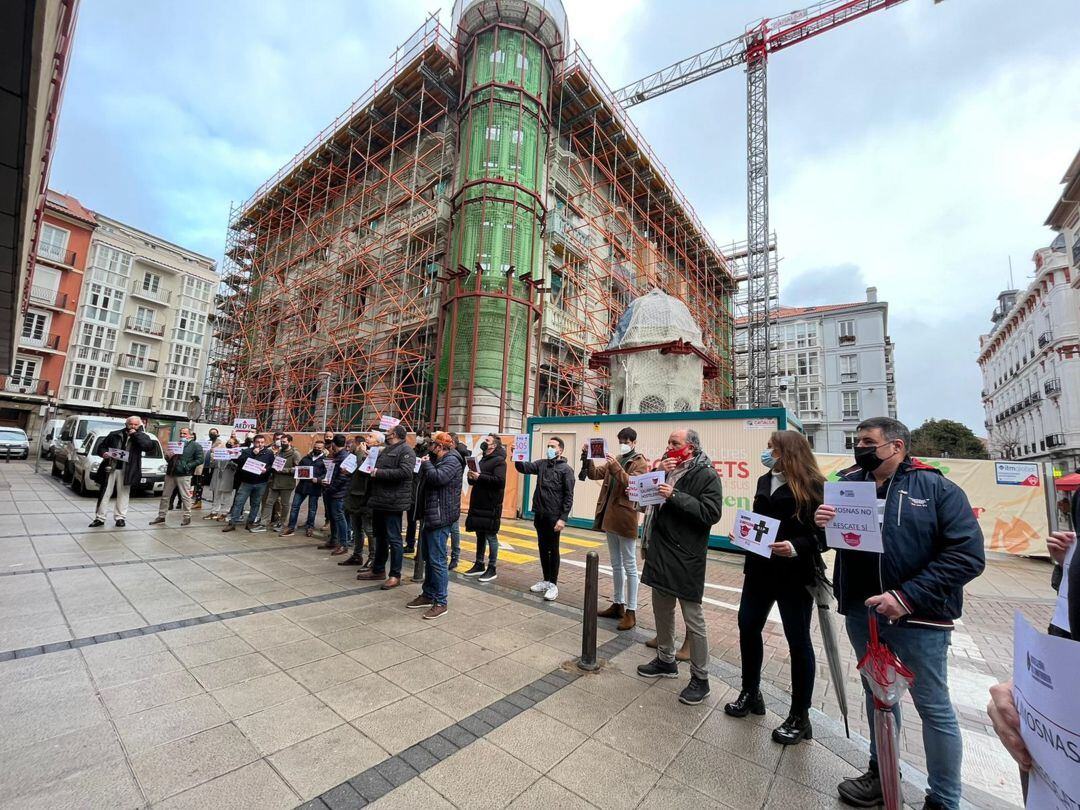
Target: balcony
x=55, y=254
x=48, y=343
x=847, y=339
x=136, y=363
x=158, y=296
x=173, y=406
x=120, y=400
x=1045, y=338
x=1052, y=388
x=849, y=377
x=27, y=386
x=47, y=296
x=1055, y=440
x=141, y=327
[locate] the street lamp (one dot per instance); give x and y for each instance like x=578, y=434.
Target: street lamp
x=325, y=375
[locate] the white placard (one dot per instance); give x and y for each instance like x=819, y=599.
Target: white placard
x=369, y=462
x=244, y=425
x=754, y=532
x=1061, y=609
x=234, y=452
x=1044, y=679
x=329, y=472
x=416, y=466
x=221, y=453
x=388, y=422
x=204, y=444
x=644, y=489
x=118, y=455
x=303, y=473
x=253, y=466
x=175, y=448
x=279, y=464
x=348, y=464
x=597, y=449
x=855, y=526
x=521, y=448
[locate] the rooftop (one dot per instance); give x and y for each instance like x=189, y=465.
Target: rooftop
x=66, y=204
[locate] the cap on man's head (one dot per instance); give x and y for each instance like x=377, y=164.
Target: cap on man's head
x=443, y=438
x=339, y=440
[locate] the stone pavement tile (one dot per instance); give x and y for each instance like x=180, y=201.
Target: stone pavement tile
x=296, y=653
x=196, y=634
x=328, y=622
x=81, y=627
x=579, y=709
x=814, y=766
x=664, y=706
x=480, y=776
x=401, y=624
x=33, y=768
x=502, y=641
x=233, y=670
x=158, y=690
x=459, y=697
x=463, y=656
x=108, y=672
x=539, y=628
x=207, y=652
x=16, y=636
x=252, y=787
x=280, y=595
x=326, y=672
x=428, y=641
x=169, y=722
x=636, y=733
x=419, y=674
x=274, y=635
x=569, y=640
x=785, y=794
x=472, y=626
x=384, y=654
x=539, y=656
x=536, y=739
x=19, y=670
x=355, y=637
x=361, y=695
x=48, y=707
x=746, y=740
x=735, y=781
x=325, y=760
x=177, y=766
x=506, y=675
x=288, y=723
x=672, y=795
x=412, y=794
x=123, y=650
x=545, y=794
x=612, y=685
x=605, y=777
x=397, y=726
x=248, y=697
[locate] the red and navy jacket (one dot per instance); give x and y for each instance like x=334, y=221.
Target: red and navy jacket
x=933, y=545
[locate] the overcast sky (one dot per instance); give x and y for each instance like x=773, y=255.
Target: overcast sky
x=915, y=150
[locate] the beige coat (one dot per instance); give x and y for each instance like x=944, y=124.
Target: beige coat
x=614, y=511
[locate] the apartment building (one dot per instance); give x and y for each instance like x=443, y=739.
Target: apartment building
x=41, y=347
x=834, y=367
x=139, y=343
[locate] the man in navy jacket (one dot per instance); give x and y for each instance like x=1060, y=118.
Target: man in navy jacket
x=933, y=548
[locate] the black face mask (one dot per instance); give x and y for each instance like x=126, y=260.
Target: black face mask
x=483, y=447
x=868, y=459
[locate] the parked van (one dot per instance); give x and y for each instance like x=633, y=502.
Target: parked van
x=88, y=459
x=50, y=437
x=72, y=435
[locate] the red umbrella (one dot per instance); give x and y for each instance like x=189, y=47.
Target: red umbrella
x=1067, y=483
x=888, y=680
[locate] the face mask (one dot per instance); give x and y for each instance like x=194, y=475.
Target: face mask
x=682, y=454
x=867, y=458
x=483, y=447
x=625, y=448
x=768, y=459
x=552, y=453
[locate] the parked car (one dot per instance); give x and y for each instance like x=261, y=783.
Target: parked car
x=50, y=437
x=73, y=434
x=88, y=459
x=13, y=443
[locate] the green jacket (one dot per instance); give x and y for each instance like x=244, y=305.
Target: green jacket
x=284, y=479
x=188, y=460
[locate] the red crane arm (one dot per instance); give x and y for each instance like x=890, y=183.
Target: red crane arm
x=799, y=26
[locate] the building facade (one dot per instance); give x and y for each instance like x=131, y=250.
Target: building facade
x=834, y=367
x=139, y=343
x=37, y=371
x=1030, y=363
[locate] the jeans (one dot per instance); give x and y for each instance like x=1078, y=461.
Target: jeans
x=796, y=608
x=387, y=527
x=337, y=520
x=246, y=491
x=361, y=528
x=547, y=541
x=436, y=573
x=455, y=541
x=491, y=539
x=623, y=553
x=298, y=503
x=663, y=605
x=925, y=652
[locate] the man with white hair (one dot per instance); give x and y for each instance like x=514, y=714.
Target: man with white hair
x=121, y=466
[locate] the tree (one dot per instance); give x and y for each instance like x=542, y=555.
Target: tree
x=944, y=438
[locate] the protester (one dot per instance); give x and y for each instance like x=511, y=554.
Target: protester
x=617, y=517
x=308, y=489
x=282, y=482
x=328, y=443
x=442, y=508
x=485, y=506
x=933, y=548
x=677, y=534
x=178, y=471
x=790, y=492
x=334, y=495
x=390, y=493
x=252, y=485
x=552, y=501
x=223, y=474
x=357, y=511
x=117, y=475
x=455, y=529
x=205, y=474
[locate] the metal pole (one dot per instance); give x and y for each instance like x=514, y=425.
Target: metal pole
x=418, y=562
x=587, y=661
x=326, y=398
x=44, y=425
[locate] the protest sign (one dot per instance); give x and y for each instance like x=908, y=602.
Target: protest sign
x=644, y=489
x=597, y=449
x=244, y=425
x=329, y=472
x=348, y=464
x=754, y=532
x=388, y=422
x=253, y=466
x=175, y=448
x=416, y=466
x=221, y=453
x=205, y=445
x=521, y=448
x=472, y=464
x=303, y=473
x=279, y=464
x=1061, y=609
x=118, y=455
x=855, y=526
x=234, y=452
x=369, y=462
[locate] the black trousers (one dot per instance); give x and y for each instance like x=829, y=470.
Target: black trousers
x=796, y=607
x=547, y=540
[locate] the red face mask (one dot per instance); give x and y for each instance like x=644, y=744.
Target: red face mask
x=680, y=455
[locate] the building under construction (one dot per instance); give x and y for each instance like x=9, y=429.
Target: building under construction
x=456, y=246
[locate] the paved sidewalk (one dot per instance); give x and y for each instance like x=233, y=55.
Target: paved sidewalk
x=183, y=667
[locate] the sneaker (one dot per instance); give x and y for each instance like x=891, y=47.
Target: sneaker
x=209, y=517
x=489, y=575
x=97, y=523
x=258, y=527
x=420, y=602
x=658, y=669
x=121, y=523
x=476, y=570
x=436, y=612
x=695, y=692
x=862, y=791
x=552, y=593
x=229, y=528
x=157, y=521
x=185, y=521
x=540, y=586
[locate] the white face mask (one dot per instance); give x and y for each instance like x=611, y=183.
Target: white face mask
x=625, y=448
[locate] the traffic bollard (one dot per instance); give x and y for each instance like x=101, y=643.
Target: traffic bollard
x=587, y=662
x=418, y=561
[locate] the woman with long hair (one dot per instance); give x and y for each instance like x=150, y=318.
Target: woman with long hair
x=790, y=492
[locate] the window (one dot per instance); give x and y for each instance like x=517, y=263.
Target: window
x=846, y=331
x=849, y=402
x=24, y=372
x=52, y=243
x=103, y=304
x=46, y=283
x=96, y=342
x=798, y=364
x=849, y=367
x=190, y=327
x=151, y=282
x=809, y=401
x=88, y=382
x=184, y=361
x=139, y=353
x=799, y=335
x=130, y=393
x=197, y=288
x=35, y=326
x=498, y=57
x=111, y=260
x=494, y=133
x=144, y=318
x=850, y=438
x=522, y=62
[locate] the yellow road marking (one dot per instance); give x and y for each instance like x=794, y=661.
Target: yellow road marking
x=468, y=543
x=563, y=538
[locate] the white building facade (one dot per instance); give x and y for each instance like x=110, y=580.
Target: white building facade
x=834, y=367
x=141, y=336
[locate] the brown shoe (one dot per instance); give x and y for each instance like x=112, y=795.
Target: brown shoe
x=614, y=611
x=435, y=612
x=309, y=532
x=651, y=643
x=185, y=521
x=683, y=653
x=338, y=551
x=327, y=546
x=197, y=505
x=157, y=521
x=629, y=620
x=420, y=602
x=370, y=575
x=391, y=582
x=229, y=528
x=288, y=533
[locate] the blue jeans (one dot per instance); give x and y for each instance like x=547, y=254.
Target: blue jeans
x=491, y=540
x=623, y=553
x=338, y=521
x=387, y=527
x=298, y=504
x=455, y=541
x=436, y=574
x=926, y=653
x=254, y=492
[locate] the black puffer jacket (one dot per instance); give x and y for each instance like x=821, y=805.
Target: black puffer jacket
x=136, y=444
x=441, y=491
x=359, y=487
x=390, y=489
x=486, y=500
x=340, y=480
x=553, y=496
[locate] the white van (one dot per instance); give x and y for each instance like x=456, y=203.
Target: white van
x=72, y=435
x=88, y=459
x=50, y=437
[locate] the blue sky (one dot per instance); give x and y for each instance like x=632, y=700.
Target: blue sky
x=915, y=150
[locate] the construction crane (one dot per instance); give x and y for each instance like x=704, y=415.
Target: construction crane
x=752, y=48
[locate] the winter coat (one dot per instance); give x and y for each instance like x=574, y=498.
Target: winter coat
x=486, y=500
x=784, y=573
x=340, y=480
x=285, y=478
x=441, y=491
x=614, y=511
x=390, y=489
x=266, y=456
x=311, y=486
x=679, y=532
x=553, y=497
x=136, y=444
x=933, y=545
x=357, y=496
x=187, y=461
